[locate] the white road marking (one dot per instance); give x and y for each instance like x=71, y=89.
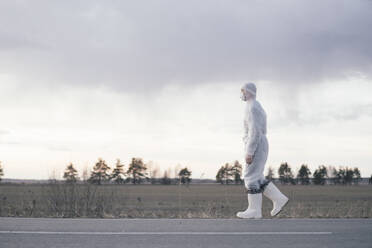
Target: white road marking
x=164, y=233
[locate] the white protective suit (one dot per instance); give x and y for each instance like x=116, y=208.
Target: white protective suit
x=256, y=144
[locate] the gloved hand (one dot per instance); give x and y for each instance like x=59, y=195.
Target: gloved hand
x=249, y=159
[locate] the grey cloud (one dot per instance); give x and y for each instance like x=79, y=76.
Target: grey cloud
x=350, y=113
x=354, y=112
x=9, y=42
x=132, y=45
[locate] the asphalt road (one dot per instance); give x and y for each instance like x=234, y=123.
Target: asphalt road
x=278, y=233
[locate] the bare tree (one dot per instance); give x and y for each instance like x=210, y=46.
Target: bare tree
x=177, y=169
x=166, y=180
x=150, y=166
x=85, y=174
x=332, y=173
x=54, y=176
x=154, y=174
x=270, y=173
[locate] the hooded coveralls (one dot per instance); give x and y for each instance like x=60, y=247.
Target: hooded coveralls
x=256, y=144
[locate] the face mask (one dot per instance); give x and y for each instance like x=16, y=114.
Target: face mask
x=242, y=96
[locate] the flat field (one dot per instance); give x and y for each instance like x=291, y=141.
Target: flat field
x=177, y=201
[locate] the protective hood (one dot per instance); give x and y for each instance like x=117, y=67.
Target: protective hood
x=248, y=88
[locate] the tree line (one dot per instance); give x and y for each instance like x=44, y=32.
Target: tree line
x=322, y=175
x=138, y=172
x=231, y=174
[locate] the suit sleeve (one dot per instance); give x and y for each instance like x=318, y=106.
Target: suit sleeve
x=254, y=133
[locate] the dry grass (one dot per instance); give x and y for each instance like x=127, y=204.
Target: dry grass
x=173, y=201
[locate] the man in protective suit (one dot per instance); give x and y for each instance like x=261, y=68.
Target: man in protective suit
x=256, y=151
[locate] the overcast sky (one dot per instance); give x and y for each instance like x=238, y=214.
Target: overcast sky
x=161, y=80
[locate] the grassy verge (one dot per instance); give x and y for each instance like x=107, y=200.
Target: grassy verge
x=174, y=201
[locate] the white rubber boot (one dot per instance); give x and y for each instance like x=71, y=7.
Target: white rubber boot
x=278, y=198
x=254, y=207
